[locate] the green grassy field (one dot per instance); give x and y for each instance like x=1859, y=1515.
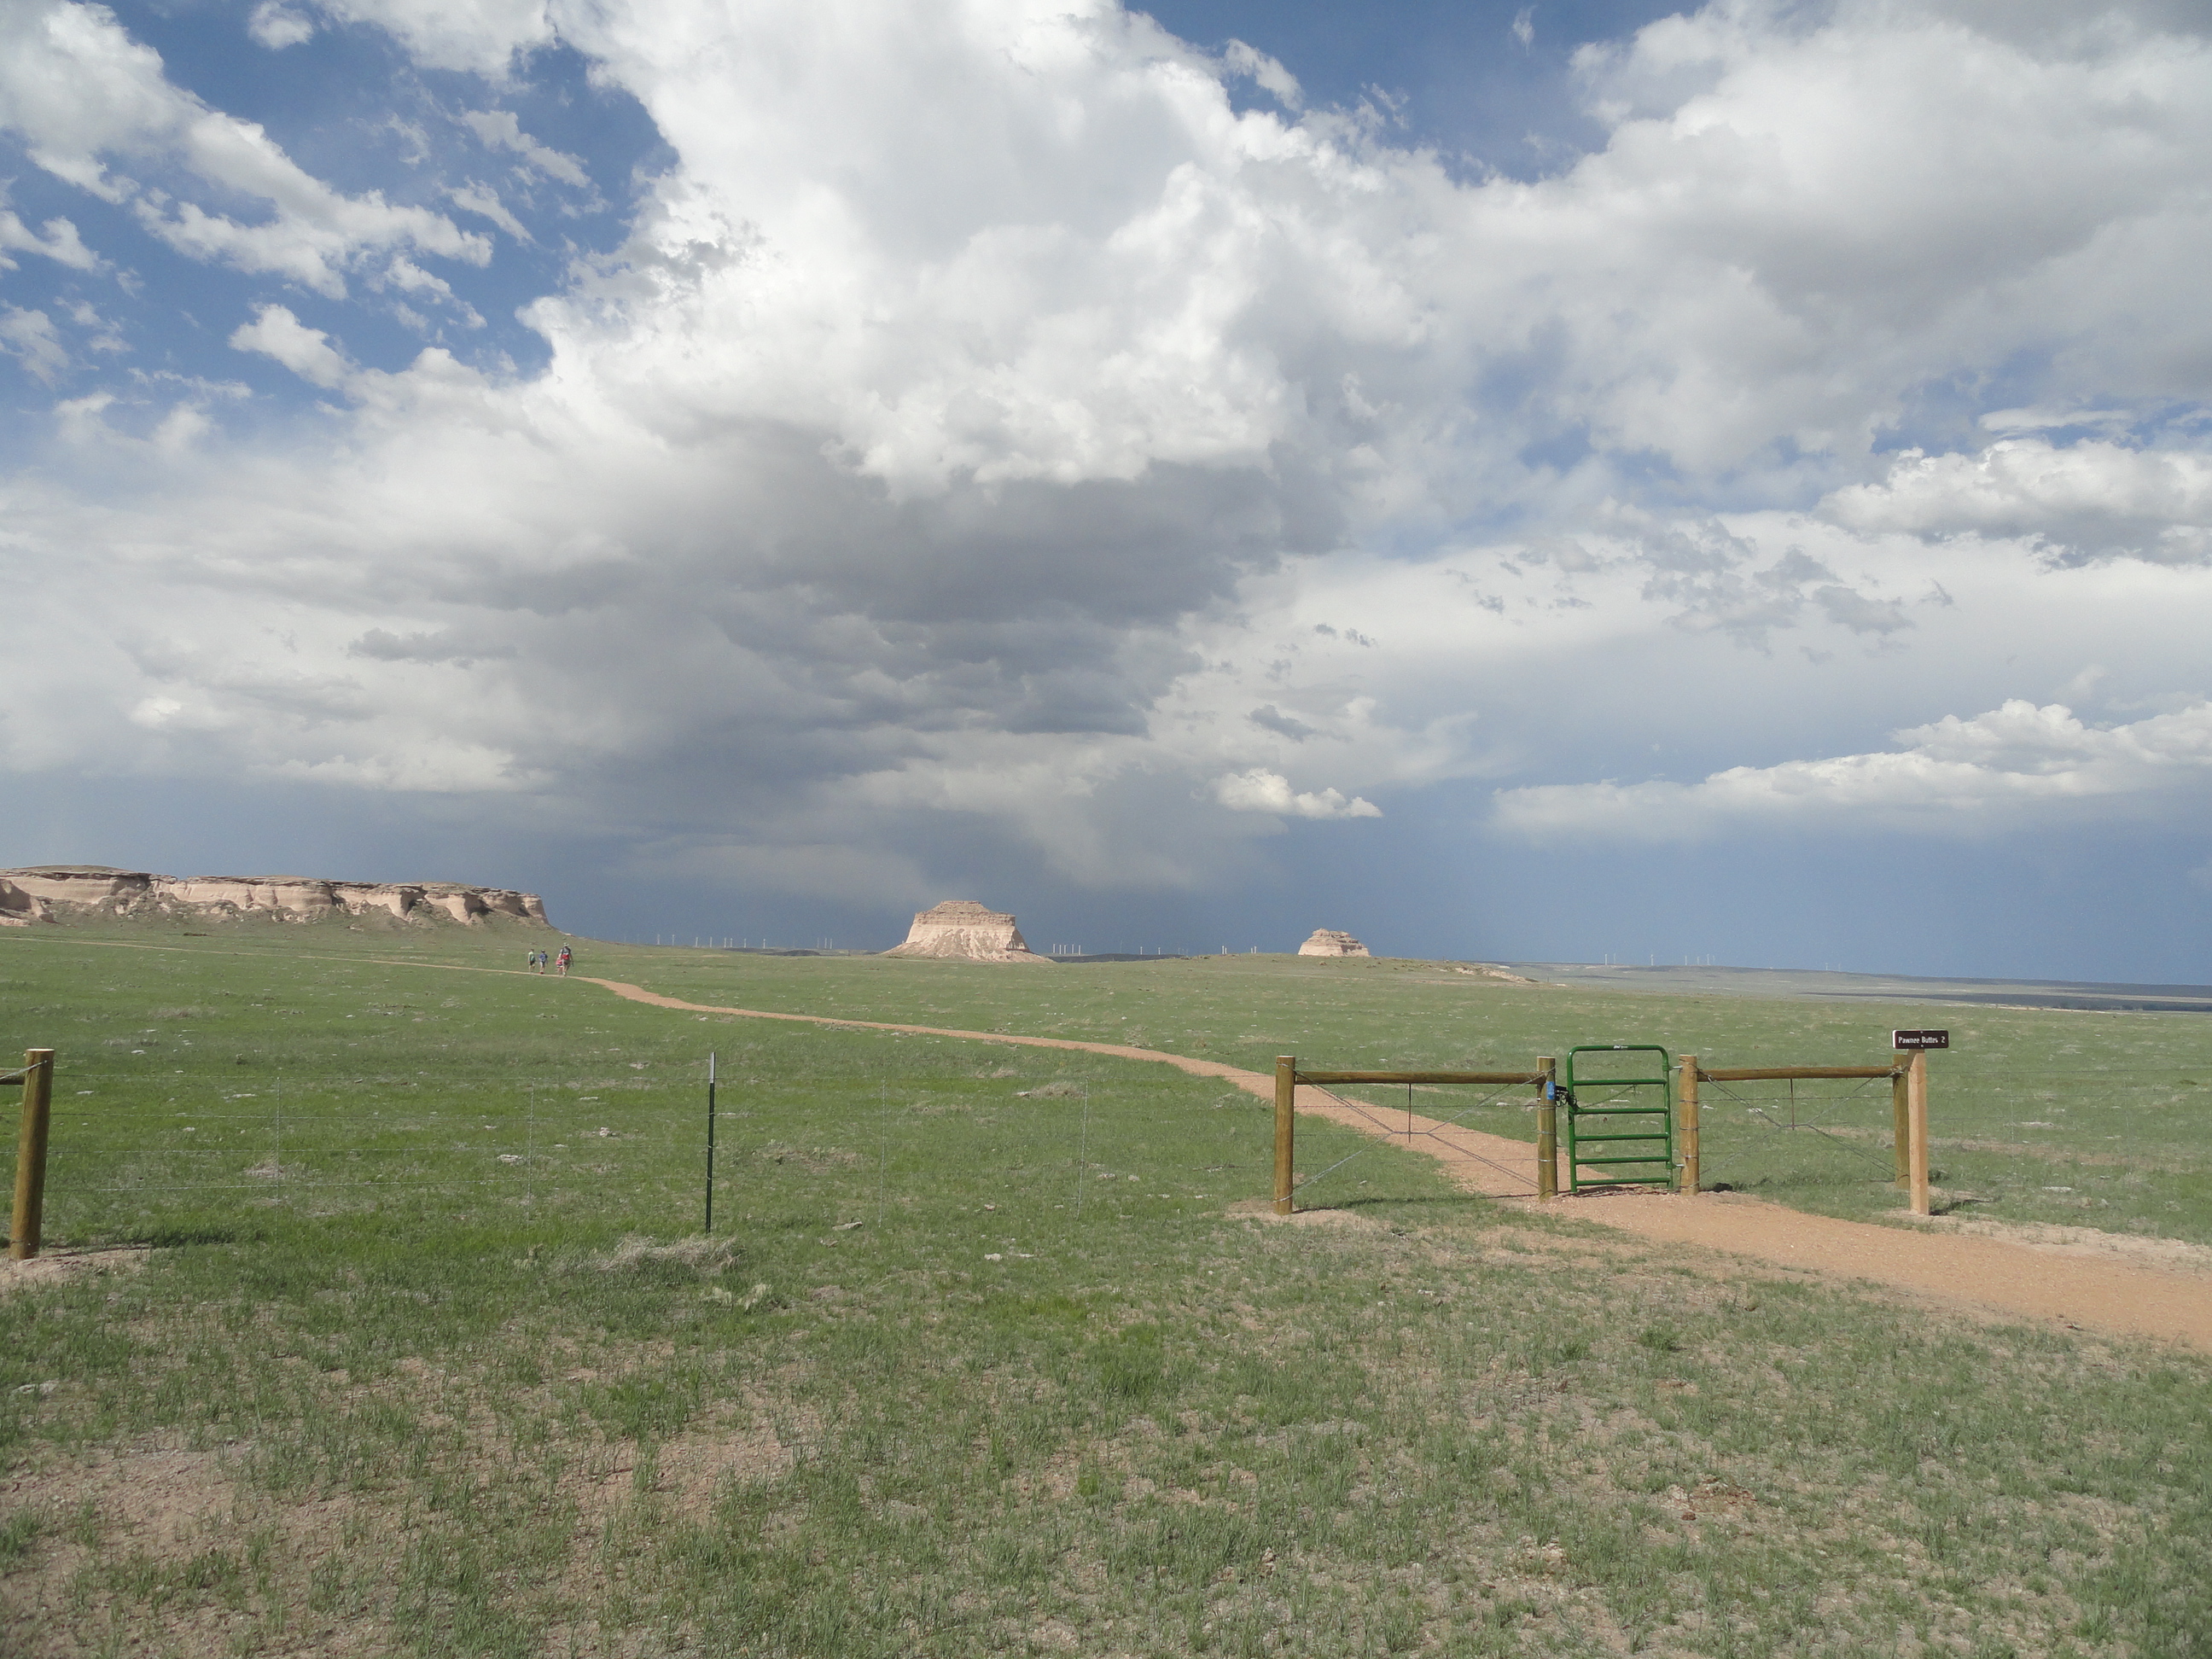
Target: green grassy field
x=2097, y=1120
x=425, y=1362
x=2077, y=1118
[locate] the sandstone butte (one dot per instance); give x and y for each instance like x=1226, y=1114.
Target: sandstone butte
x=964, y=931
x=70, y=892
x=1328, y=942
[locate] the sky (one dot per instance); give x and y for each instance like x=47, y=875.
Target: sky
x=1529, y=482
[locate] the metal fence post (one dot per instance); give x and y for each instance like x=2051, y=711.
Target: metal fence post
x=25, y=1227
x=1547, y=1130
x=709, y=1226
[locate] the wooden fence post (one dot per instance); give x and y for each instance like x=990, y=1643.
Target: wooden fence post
x=1547, y=1130
x=1900, y=1121
x=1915, y=1114
x=1689, y=1123
x=25, y=1227
x=1286, y=1090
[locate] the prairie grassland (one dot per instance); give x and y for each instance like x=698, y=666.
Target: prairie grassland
x=946, y=1380
x=2094, y=1120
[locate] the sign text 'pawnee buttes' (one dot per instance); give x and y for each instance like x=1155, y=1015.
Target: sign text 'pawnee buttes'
x=1919, y=1040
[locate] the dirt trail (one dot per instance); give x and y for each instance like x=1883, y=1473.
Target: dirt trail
x=2038, y=1276
x=2059, y=1282
x=1237, y=1074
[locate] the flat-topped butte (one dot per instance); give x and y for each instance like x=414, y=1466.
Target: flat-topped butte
x=964, y=930
x=58, y=893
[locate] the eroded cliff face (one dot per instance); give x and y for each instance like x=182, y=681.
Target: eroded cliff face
x=965, y=931
x=63, y=892
x=19, y=908
x=1330, y=942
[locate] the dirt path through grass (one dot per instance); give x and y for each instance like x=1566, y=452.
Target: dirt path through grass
x=2088, y=1284
x=2059, y=1282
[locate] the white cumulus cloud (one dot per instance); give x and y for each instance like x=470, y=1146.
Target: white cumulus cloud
x=275, y=25
x=499, y=130
x=60, y=243
x=1261, y=791
x=952, y=453
x=30, y=337
x=83, y=95
x=307, y=352
x=2091, y=497
x=480, y=35
x=2014, y=767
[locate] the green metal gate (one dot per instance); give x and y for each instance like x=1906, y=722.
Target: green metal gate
x=1626, y=1119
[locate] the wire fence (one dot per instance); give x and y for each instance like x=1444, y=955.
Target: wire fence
x=2127, y=1147
x=134, y=1157
x=2075, y=1144
x=1036, y=1158
x=1424, y=1125
x=128, y=1159
x=1796, y=1132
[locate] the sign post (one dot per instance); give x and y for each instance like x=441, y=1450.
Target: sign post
x=1917, y=1044
x=1915, y=1114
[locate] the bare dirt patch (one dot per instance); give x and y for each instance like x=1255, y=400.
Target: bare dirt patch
x=65, y=1266
x=1260, y=1209
x=192, y=1544
x=2169, y=1255
x=154, y=1524
x=2085, y=1291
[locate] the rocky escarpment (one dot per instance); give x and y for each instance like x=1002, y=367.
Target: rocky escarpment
x=70, y=892
x=964, y=931
x=1328, y=942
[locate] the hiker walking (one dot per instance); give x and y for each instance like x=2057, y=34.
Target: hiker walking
x=561, y=963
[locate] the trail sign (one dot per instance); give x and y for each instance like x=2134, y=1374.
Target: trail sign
x=1903, y=1040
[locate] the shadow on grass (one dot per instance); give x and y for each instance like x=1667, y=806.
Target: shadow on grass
x=178, y=1238
x=1444, y=1200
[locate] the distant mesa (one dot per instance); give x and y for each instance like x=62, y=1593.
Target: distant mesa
x=87, y=892
x=962, y=930
x=1328, y=942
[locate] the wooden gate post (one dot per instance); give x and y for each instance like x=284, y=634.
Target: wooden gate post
x=1689, y=1098
x=1547, y=1130
x=1915, y=1115
x=1901, y=1122
x=25, y=1227
x=1287, y=1091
